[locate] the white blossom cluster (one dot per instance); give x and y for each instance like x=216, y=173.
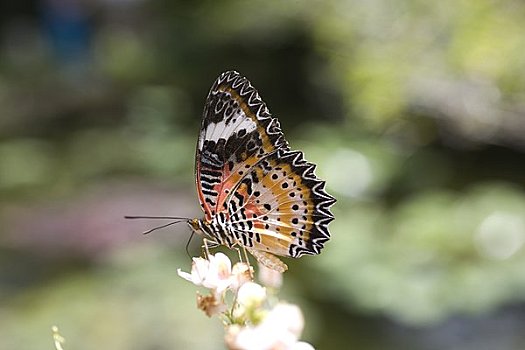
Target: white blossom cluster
x=252, y=320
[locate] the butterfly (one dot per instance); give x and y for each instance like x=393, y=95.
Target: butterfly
x=256, y=193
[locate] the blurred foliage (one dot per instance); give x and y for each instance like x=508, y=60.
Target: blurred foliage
x=115, y=307
x=413, y=111
x=443, y=253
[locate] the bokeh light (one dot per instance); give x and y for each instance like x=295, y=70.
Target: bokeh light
x=413, y=111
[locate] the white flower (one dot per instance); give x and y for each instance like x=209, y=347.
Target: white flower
x=301, y=345
x=280, y=329
x=232, y=331
x=286, y=316
x=241, y=273
x=270, y=277
x=249, y=300
x=214, y=273
x=252, y=325
x=199, y=270
x=261, y=338
x=251, y=294
x=219, y=273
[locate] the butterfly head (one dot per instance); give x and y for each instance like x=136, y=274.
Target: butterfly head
x=200, y=227
x=195, y=225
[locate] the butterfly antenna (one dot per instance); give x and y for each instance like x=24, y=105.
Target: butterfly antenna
x=156, y=217
x=162, y=226
x=187, y=248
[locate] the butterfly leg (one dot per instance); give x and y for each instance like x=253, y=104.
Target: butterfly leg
x=247, y=261
x=245, y=251
x=269, y=260
x=237, y=246
x=243, y=258
x=242, y=252
x=207, y=244
x=238, y=249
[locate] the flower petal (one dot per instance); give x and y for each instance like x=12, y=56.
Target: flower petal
x=200, y=269
x=301, y=345
x=251, y=294
x=286, y=316
x=185, y=275
x=241, y=273
x=223, y=265
x=219, y=273
x=270, y=277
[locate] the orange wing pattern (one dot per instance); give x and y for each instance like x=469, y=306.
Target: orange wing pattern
x=237, y=131
x=281, y=207
x=255, y=191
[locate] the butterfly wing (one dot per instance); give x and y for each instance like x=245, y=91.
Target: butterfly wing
x=237, y=131
x=281, y=206
x=273, y=200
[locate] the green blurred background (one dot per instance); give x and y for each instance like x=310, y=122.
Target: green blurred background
x=413, y=110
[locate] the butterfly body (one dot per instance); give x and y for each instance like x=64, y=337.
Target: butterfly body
x=255, y=192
